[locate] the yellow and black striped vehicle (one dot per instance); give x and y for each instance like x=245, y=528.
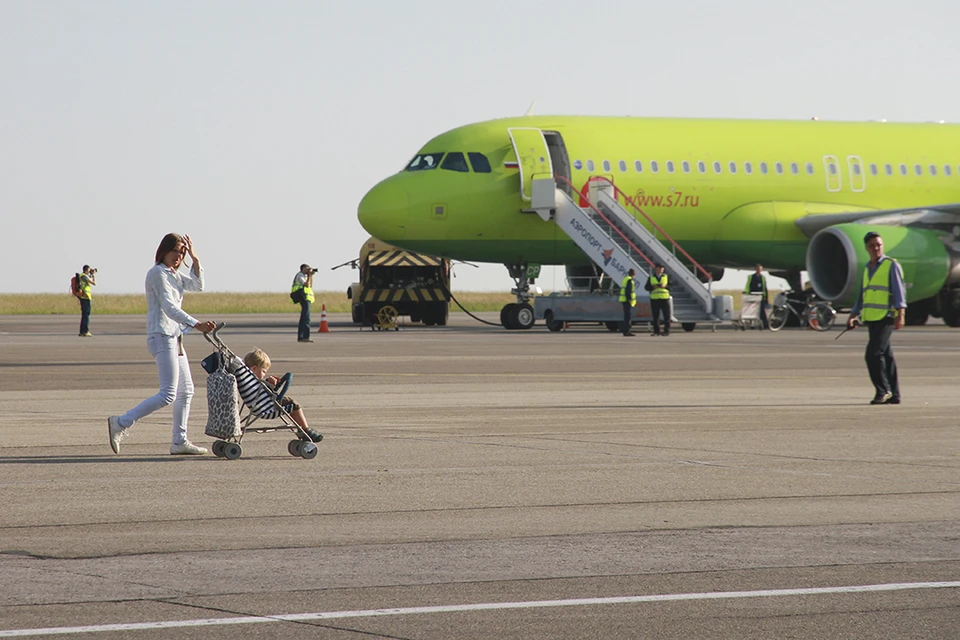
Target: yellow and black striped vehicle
x=414, y=284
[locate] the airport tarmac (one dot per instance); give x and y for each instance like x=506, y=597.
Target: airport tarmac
x=482, y=483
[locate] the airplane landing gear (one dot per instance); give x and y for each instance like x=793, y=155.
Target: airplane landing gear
x=520, y=315
x=950, y=307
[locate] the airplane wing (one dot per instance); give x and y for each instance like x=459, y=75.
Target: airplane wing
x=942, y=216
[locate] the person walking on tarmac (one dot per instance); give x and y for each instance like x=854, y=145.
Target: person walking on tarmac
x=658, y=284
x=87, y=279
x=757, y=283
x=302, y=292
x=881, y=306
x=628, y=298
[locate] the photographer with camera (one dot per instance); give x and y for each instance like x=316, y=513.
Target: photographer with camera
x=88, y=278
x=302, y=293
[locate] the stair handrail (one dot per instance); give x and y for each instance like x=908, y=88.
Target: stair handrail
x=607, y=220
x=617, y=190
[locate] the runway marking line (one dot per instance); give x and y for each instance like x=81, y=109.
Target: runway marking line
x=486, y=606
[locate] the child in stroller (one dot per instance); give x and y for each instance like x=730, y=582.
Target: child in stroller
x=249, y=373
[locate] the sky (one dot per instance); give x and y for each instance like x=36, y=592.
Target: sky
x=256, y=127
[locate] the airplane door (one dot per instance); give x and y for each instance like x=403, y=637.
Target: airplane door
x=858, y=180
x=533, y=156
x=831, y=167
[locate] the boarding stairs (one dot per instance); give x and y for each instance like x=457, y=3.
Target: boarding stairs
x=615, y=241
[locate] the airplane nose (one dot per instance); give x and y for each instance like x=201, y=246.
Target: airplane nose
x=383, y=211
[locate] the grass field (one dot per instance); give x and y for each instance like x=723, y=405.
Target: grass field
x=214, y=303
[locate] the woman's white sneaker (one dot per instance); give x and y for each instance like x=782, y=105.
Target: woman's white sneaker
x=116, y=432
x=186, y=449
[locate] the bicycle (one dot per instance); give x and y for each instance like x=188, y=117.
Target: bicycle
x=817, y=314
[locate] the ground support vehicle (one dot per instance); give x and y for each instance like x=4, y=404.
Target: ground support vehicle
x=413, y=284
x=558, y=310
x=581, y=307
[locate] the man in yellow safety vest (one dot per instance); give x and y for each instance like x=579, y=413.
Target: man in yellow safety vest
x=302, y=293
x=658, y=284
x=757, y=283
x=88, y=279
x=628, y=298
x=881, y=306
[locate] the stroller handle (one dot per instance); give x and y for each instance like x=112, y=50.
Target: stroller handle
x=215, y=341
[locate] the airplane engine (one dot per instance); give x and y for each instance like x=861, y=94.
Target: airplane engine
x=836, y=258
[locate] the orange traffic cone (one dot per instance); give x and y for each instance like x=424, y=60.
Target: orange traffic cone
x=324, y=327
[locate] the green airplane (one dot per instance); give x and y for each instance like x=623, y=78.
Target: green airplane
x=791, y=195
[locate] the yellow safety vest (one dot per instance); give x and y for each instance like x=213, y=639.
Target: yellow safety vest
x=659, y=291
x=307, y=291
x=633, y=291
x=85, y=288
x=763, y=281
x=876, y=291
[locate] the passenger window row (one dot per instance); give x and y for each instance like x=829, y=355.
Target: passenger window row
x=764, y=168
x=918, y=169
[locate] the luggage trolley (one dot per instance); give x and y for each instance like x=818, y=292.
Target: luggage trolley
x=750, y=310
x=268, y=406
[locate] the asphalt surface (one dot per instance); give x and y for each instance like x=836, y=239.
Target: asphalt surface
x=482, y=483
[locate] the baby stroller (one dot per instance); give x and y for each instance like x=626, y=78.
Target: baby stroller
x=227, y=422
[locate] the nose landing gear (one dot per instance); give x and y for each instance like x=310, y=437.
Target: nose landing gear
x=519, y=315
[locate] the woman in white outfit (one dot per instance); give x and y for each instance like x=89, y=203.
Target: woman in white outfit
x=165, y=285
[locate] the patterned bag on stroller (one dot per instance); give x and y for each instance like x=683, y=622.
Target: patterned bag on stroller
x=223, y=420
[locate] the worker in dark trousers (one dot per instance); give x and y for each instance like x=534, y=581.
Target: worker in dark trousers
x=881, y=306
x=757, y=283
x=628, y=298
x=658, y=284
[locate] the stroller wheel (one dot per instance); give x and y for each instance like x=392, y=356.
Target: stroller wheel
x=308, y=451
x=294, y=447
x=218, y=448
x=232, y=451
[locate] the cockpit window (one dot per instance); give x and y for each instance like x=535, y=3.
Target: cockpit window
x=455, y=162
x=479, y=162
x=425, y=161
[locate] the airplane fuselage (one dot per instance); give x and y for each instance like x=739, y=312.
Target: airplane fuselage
x=728, y=191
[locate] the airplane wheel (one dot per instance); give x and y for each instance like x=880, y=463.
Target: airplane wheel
x=522, y=316
x=916, y=316
x=612, y=327
x=688, y=326
x=505, y=315
x=950, y=307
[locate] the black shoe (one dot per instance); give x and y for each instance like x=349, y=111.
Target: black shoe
x=893, y=400
x=882, y=398
x=315, y=436
x=627, y=335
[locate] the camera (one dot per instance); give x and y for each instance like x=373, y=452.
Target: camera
x=314, y=270
x=92, y=270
